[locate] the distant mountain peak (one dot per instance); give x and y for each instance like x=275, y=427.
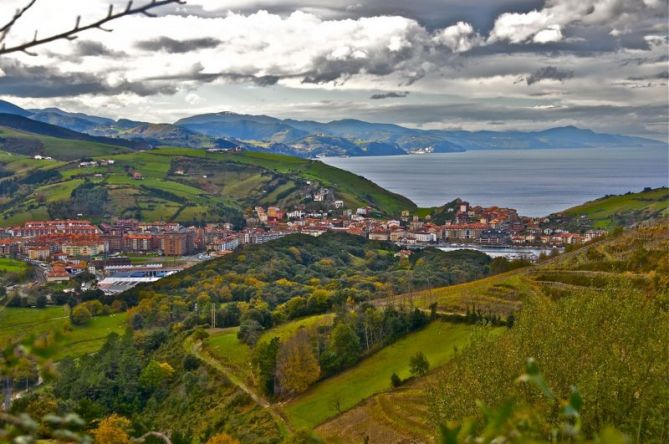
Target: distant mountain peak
x=308, y=138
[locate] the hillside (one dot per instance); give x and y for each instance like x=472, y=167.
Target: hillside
x=51, y=333
x=621, y=211
x=34, y=129
x=594, y=272
x=321, y=272
x=178, y=185
x=309, y=332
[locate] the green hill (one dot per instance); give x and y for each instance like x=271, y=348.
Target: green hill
x=177, y=184
x=571, y=311
x=621, y=211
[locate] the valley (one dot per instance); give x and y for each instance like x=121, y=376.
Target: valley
x=207, y=291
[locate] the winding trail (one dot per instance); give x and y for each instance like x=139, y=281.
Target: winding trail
x=199, y=352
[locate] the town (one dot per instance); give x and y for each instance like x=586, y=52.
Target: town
x=123, y=253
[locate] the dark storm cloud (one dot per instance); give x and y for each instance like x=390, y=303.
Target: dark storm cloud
x=177, y=46
x=197, y=75
x=37, y=81
x=390, y=95
x=90, y=48
x=548, y=73
x=664, y=75
x=431, y=13
x=381, y=62
x=87, y=48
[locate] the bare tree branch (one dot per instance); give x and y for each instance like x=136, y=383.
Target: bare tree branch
x=78, y=28
x=19, y=13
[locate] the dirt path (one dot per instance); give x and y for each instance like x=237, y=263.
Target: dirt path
x=199, y=352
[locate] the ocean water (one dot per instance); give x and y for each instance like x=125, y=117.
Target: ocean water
x=535, y=182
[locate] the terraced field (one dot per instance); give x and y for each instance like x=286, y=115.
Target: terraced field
x=398, y=416
x=184, y=184
x=637, y=260
x=501, y=294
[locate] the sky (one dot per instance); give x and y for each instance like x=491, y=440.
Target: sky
x=446, y=64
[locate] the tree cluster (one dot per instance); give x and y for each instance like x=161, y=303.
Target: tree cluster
x=291, y=366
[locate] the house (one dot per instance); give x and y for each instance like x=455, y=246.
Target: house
x=275, y=214
x=464, y=231
x=57, y=273
x=397, y=235
x=297, y=214
x=494, y=237
x=83, y=247
x=52, y=227
x=379, y=235
x=423, y=236
x=404, y=254
x=138, y=242
x=38, y=252
x=8, y=248
x=262, y=214
x=321, y=195
x=137, y=175
x=177, y=244
x=230, y=243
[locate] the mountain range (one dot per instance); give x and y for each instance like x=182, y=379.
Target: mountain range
x=310, y=139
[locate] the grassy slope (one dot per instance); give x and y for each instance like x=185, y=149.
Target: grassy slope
x=349, y=185
x=33, y=323
x=231, y=352
x=438, y=341
x=285, y=331
x=609, y=212
x=237, y=180
x=63, y=149
x=236, y=356
x=12, y=266
x=500, y=294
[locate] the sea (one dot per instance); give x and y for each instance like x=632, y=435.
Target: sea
x=535, y=182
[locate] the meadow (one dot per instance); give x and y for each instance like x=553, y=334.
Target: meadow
x=8, y=265
x=438, y=341
x=52, y=335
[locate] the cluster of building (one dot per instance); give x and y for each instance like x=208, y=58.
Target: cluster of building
x=70, y=246
x=461, y=224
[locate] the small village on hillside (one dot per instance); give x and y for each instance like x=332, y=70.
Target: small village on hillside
x=121, y=254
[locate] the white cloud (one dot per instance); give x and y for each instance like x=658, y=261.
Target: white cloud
x=460, y=37
x=552, y=33
x=546, y=25
x=517, y=27
x=351, y=57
